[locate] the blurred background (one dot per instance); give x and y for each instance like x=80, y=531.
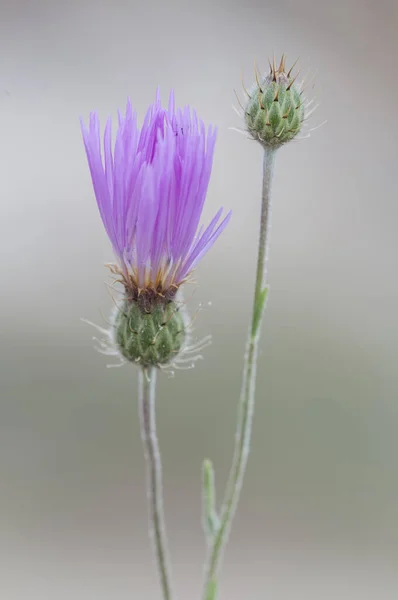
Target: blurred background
x=319, y=512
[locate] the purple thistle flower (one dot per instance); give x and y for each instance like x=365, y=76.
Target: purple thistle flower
x=150, y=192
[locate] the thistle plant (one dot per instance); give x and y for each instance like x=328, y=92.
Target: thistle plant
x=274, y=113
x=150, y=189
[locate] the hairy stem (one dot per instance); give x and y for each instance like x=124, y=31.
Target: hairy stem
x=146, y=387
x=246, y=402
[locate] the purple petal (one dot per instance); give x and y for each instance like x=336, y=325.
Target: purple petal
x=151, y=188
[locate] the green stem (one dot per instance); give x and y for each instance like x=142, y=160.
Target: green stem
x=146, y=387
x=246, y=403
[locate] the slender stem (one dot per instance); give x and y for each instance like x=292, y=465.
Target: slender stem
x=146, y=387
x=246, y=403
x=263, y=242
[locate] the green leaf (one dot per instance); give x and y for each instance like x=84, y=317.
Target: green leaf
x=211, y=590
x=259, y=309
x=210, y=517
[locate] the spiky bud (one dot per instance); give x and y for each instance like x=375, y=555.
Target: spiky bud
x=274, y=112
x=150, y=337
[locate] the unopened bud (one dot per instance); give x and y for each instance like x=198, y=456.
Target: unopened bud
x=274, y=112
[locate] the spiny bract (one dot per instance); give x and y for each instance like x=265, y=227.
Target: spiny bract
x=275, y=111
x=150, y=338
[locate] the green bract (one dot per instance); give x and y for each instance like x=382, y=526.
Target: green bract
x=150, y=338
x=274, y=112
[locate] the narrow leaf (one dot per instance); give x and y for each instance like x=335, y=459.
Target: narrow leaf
x=259, y=309
x=212, y=590
x=210, y=517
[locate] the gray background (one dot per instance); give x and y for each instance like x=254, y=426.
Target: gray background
x=318, y=516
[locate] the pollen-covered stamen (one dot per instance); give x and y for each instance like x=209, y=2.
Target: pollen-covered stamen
x=153, y=293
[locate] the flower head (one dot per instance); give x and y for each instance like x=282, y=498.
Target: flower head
x=150, y=189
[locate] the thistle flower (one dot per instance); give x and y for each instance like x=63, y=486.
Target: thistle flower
x=150, y=192
x=274, y=112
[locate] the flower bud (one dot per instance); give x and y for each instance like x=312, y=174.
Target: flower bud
x=274, y=112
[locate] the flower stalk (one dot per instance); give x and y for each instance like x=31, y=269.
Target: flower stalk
x=157, y=529
x=247, y=398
